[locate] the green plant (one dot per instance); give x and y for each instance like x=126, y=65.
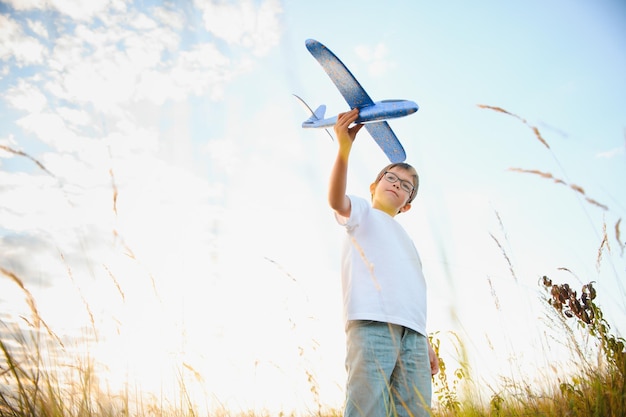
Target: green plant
x=445, y=389
x=600, y=390
x=566, y=301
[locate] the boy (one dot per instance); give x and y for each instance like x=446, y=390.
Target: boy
x=388, y=359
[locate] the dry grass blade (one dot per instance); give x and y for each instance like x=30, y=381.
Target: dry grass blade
x=506, y=256
x=494, y=295
x=17, y=373
x=369, y=265
x=24, y=154
x=501, y=224
x=533, y=128
x=82, y=297
x=195, y=373
x=114, y=190
x=281, y=268
x=117, y=284
x=604, y=244
x=502, y=249
x=30, y=300
x=574, y=187
x=618, y=236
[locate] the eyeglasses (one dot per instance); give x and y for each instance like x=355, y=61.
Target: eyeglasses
x=404, y=184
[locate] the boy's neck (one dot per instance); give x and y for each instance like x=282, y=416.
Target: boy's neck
x=385, y=209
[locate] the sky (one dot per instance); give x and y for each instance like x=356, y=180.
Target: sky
x=164, y=209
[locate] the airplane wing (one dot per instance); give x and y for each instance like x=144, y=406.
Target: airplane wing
x=387, y=140
x=348, y=86
x=356, y=97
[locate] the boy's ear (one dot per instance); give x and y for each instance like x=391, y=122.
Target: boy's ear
x=405, y=208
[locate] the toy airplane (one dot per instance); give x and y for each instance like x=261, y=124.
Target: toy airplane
x=372, y=114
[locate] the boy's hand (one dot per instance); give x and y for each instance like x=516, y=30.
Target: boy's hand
x=434, y=360
x=345, y=133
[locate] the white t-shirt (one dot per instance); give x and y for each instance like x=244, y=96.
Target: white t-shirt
x=381, y=270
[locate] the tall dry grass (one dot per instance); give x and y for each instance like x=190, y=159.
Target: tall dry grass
x=34, y=382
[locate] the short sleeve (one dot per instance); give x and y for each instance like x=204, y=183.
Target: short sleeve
x=358, y=208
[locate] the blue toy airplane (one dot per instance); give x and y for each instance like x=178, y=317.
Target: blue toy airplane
x=372, y=114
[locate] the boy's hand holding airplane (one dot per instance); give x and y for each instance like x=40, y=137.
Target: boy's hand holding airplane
x=346, y=134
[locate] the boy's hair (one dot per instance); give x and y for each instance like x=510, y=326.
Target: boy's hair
x=406, y=167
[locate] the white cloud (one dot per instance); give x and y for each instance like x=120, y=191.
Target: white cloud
x=127, y=138
x=113, y=67
x=78, y=9
x=243, y=23
x=202, y=69
x=611, y=153
x=169, y=18
x=25, y=211
x=142, y=22
x=9, y=142
x=203, y=66
x=75, y=117
x=134, y=58
x=224, y=155
x=38, y=28
x=21, y=5
x=90, y=67
x=26, y=96
x=51, y=129
x=376, y=58
x=14, y=43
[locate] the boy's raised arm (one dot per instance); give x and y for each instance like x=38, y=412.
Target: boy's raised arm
x=338, y=177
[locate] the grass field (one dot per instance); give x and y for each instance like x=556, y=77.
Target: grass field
x=44, y=374
x=36, y=385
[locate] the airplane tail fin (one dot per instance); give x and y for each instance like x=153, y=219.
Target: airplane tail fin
x=318, y=114
x=315, y=115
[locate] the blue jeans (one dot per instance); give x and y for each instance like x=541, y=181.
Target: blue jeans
x=388, y=371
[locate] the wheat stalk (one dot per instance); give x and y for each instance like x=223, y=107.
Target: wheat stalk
x=618, y=236
x=533, y=128
x=30, y=300
x=24, y=154
x=603, y=244
x=576, y=188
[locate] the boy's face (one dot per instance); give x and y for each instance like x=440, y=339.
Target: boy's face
x=392, y=192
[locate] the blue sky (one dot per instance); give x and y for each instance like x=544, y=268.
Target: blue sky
x=184, y=203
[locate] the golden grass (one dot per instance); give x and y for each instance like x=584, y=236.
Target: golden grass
x=37, y=321
x=618, y=236
x=533, y=128
x=574, y=187
x=25, y=155
x=32, y=384
x=578, y=189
